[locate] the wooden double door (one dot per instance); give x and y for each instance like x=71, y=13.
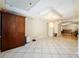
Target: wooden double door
x=13, y=31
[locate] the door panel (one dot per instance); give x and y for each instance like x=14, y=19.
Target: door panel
x=20, y=31
x=5, y=32
x=20, y=21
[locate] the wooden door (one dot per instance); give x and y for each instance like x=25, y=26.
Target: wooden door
x=19, y=31
x=5, y=31
x=13, y=34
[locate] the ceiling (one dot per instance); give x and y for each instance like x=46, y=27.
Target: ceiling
x=65, y=8
x=21, y=4
x=51, y=14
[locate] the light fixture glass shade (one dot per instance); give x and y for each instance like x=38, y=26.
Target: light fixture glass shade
x=50, y=24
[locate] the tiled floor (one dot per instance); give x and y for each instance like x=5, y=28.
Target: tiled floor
x=44, y=48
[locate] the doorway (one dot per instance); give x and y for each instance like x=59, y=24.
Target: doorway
x=69, y=33
x=50, y=28
x=70, y=30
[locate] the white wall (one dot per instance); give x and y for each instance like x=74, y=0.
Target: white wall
x=36, y=28
x=78, y=40
x=2, y=3
x=77, y=15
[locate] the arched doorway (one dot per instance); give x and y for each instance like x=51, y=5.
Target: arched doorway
x=69, y=31
x=69, y=28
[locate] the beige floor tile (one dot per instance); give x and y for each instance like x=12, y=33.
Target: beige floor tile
x=45, y=48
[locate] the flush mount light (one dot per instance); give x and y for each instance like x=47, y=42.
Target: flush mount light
x=30, y=3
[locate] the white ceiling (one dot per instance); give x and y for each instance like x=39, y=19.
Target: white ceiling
x=63, y=7
x=21, y=4
x=50, y=14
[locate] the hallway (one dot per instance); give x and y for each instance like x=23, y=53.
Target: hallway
x=61, y=47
